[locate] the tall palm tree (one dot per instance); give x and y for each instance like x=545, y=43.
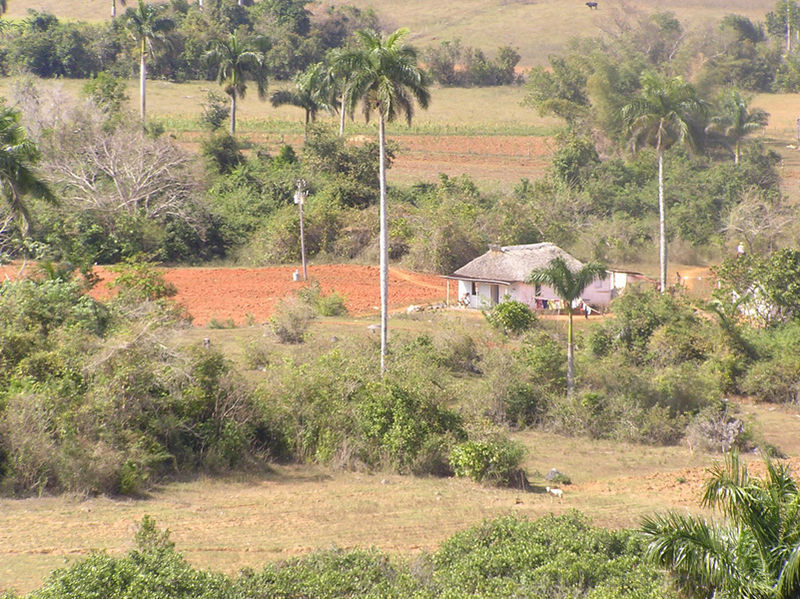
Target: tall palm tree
x=736, y=121
x=114, y=7
x=148, y=28
x=239, y=61
x=314, y=90
x=385, y=78
x=753, y=553
x=659, y=117
x=18, y=154
x=568, y=285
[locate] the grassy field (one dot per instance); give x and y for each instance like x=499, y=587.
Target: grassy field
x=535, y=27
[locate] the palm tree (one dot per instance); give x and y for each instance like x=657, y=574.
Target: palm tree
x=735, y=121
x=568, y=285
x=660, y=117
x=18, y=154
x=146, y=25
x=339, y=72
x=314, y=90
x=114, y=7
x=385, y=77
x=237, y=63
x=753, y=553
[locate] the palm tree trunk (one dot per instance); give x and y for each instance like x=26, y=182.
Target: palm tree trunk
x=113, y=8
x=384, y=245
x=662, y=222
x=570, y=355
x=142, y=80
x=738, y=151
x=233, y=114
x=341, y=117
x=305, y=130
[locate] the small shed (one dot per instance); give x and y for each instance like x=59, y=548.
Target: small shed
x=500, y=273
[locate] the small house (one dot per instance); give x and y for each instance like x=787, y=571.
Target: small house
x=501, y=272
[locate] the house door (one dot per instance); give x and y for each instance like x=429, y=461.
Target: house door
x=495, y=291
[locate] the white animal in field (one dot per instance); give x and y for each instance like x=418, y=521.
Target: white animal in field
x=555, y=493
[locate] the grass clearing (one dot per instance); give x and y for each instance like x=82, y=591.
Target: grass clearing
x=227, y=523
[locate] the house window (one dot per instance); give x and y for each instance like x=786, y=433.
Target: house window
x=537, y=291
x=598, y=284
x=495, y=291
x=474, y=290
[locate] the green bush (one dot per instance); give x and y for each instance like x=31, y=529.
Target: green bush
x=495, y=462
x=332, y=304
x=138, y=279
x=555, y=556
x=154, y=570
x=291, y=320
x=511, y=316
x=410, y=431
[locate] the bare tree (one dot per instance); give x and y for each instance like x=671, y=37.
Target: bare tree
x=759, y=222
x=112, y=167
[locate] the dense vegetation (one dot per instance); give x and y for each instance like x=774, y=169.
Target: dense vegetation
x=104, y=397
x=118, y=190
x=556, y=556
x=597, y=198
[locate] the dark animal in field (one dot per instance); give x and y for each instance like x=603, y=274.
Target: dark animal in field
x=592, y=5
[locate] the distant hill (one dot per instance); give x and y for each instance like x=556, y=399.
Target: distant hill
x=535, y=28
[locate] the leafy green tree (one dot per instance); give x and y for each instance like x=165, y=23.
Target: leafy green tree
x=753, y=553
x=568, y=284
x=661, y=116
x=148, y=28
x=107, y=92
x=239, y=61
x=18, y=155
x=386, y=78
x=314, y=90
x=735, y=121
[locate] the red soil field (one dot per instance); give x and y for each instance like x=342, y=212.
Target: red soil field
x=236, y=293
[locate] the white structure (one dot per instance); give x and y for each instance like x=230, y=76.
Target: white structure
x=500, y=273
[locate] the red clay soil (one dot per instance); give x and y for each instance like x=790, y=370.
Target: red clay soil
x=235, y=293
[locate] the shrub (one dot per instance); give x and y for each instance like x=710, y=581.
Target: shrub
x=138, y=279
x=715, y=428
x=408, y=428
x=291, y=320
x=554, y=556
x=151, y=571
x=511, y=316
x=325, y=305
x=495, y=462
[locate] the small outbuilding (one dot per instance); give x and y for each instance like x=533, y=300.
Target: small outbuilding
x=500, y=273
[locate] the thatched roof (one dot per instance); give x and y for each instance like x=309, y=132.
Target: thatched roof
x=514, y=263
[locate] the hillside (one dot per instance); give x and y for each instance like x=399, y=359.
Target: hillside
x=535, y=28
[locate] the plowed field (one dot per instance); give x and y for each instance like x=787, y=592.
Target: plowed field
x=236, y=293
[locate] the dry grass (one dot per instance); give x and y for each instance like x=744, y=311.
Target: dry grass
x=228, y=523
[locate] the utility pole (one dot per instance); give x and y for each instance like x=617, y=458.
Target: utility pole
x=299, y=198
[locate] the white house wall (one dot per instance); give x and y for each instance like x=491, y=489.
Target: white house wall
x=599, y=293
